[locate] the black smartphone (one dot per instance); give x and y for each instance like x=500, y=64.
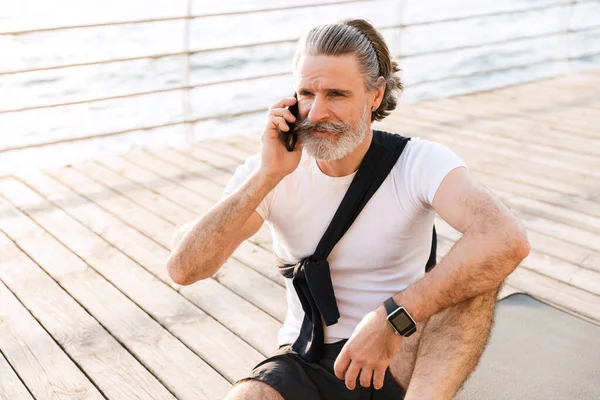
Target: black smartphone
x=289, y=138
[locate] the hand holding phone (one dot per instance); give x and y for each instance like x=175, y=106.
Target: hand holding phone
x=280, y=153
x=290, y=137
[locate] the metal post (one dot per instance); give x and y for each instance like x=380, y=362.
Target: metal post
x=186, y=95
x=564, y=38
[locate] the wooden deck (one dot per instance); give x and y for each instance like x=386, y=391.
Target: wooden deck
x=87, y=310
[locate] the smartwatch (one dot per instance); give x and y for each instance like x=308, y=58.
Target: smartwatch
x=399, y=318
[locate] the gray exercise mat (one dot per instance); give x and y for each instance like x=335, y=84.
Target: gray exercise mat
x=537, y=352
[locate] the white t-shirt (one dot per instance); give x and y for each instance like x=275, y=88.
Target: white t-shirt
x=385, y=249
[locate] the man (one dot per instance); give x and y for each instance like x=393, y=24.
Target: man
x=345, y=79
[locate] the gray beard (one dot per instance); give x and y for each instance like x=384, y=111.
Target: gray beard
x=325, y=149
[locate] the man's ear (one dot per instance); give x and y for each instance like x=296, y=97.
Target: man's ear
x=379, y=93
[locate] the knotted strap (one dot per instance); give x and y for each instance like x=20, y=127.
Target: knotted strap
x=311, y=276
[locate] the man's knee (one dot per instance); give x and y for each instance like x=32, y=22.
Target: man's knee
x=252, y=389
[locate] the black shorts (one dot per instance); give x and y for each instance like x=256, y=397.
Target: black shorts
x=296, y=379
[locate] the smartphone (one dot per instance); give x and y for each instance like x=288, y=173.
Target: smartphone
x=289, y=138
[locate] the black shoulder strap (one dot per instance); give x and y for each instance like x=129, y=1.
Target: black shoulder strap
x=379, y=160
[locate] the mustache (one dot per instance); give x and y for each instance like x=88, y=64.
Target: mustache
x=306, y=127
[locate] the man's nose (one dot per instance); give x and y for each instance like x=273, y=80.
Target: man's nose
x=319, y=111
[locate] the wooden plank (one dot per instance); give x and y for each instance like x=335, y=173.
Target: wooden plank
x=559, y=96
x=200, y=182
x=43, y=366
x=566, y=95
x=552, y=212
x=563, y=84
x=146, y=252
x=564, y=160
x=136, y=193
x=151, y=225
x=522, y=96
x=530, y=191
x=217, y=153
x=157, y=184
x=563, y=296
x=500, y=169
x=185, y=167
x=481, y=156
x=248, y=253
x=566, y=251
x=539, y=262
x=176, y=366
x=549, y=290
x=184, y=161
x=569, y=111
x=261, y=298
x=569, y=194
x=227, y=149
x=208, y=183
x=572, y=129
x=219, y=347
x=11, y=387
x=546, y=134
x=250, y=285
x=502, y=131
x=530, y=106
x=560, y=231
x=234, y=312
x=206, y=154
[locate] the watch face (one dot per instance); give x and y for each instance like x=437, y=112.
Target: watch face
x=401, y=321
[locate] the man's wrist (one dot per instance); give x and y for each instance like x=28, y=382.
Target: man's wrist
x=411, y=304
x=265, y=180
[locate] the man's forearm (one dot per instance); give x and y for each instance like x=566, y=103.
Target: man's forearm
x=478, y=263
x=203, y=249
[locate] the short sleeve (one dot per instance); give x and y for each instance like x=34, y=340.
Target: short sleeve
x=240, y=176
x=426, y=164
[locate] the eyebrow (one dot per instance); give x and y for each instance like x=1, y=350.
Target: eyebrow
x=342, y=91
x=329, y=90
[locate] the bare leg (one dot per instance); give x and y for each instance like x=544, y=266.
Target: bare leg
x=448, y=350
x=403, y=363
x=253, y=390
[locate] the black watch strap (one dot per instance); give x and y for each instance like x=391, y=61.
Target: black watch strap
x=390, y=305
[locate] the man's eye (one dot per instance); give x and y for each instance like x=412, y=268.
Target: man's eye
x=336, y=94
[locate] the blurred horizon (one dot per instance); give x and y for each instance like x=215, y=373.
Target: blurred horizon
x=64, y=47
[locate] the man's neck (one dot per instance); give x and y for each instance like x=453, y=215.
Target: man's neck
x=350, y=163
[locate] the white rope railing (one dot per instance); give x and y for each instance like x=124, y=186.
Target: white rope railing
x=263, y=109
x=199, y=16
x=497, y=42
x=294, y=7
x=137, y=94
x=187, y=87
x=284, y=41
x=291, y=40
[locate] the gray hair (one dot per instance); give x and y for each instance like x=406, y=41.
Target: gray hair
x=358, y=37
